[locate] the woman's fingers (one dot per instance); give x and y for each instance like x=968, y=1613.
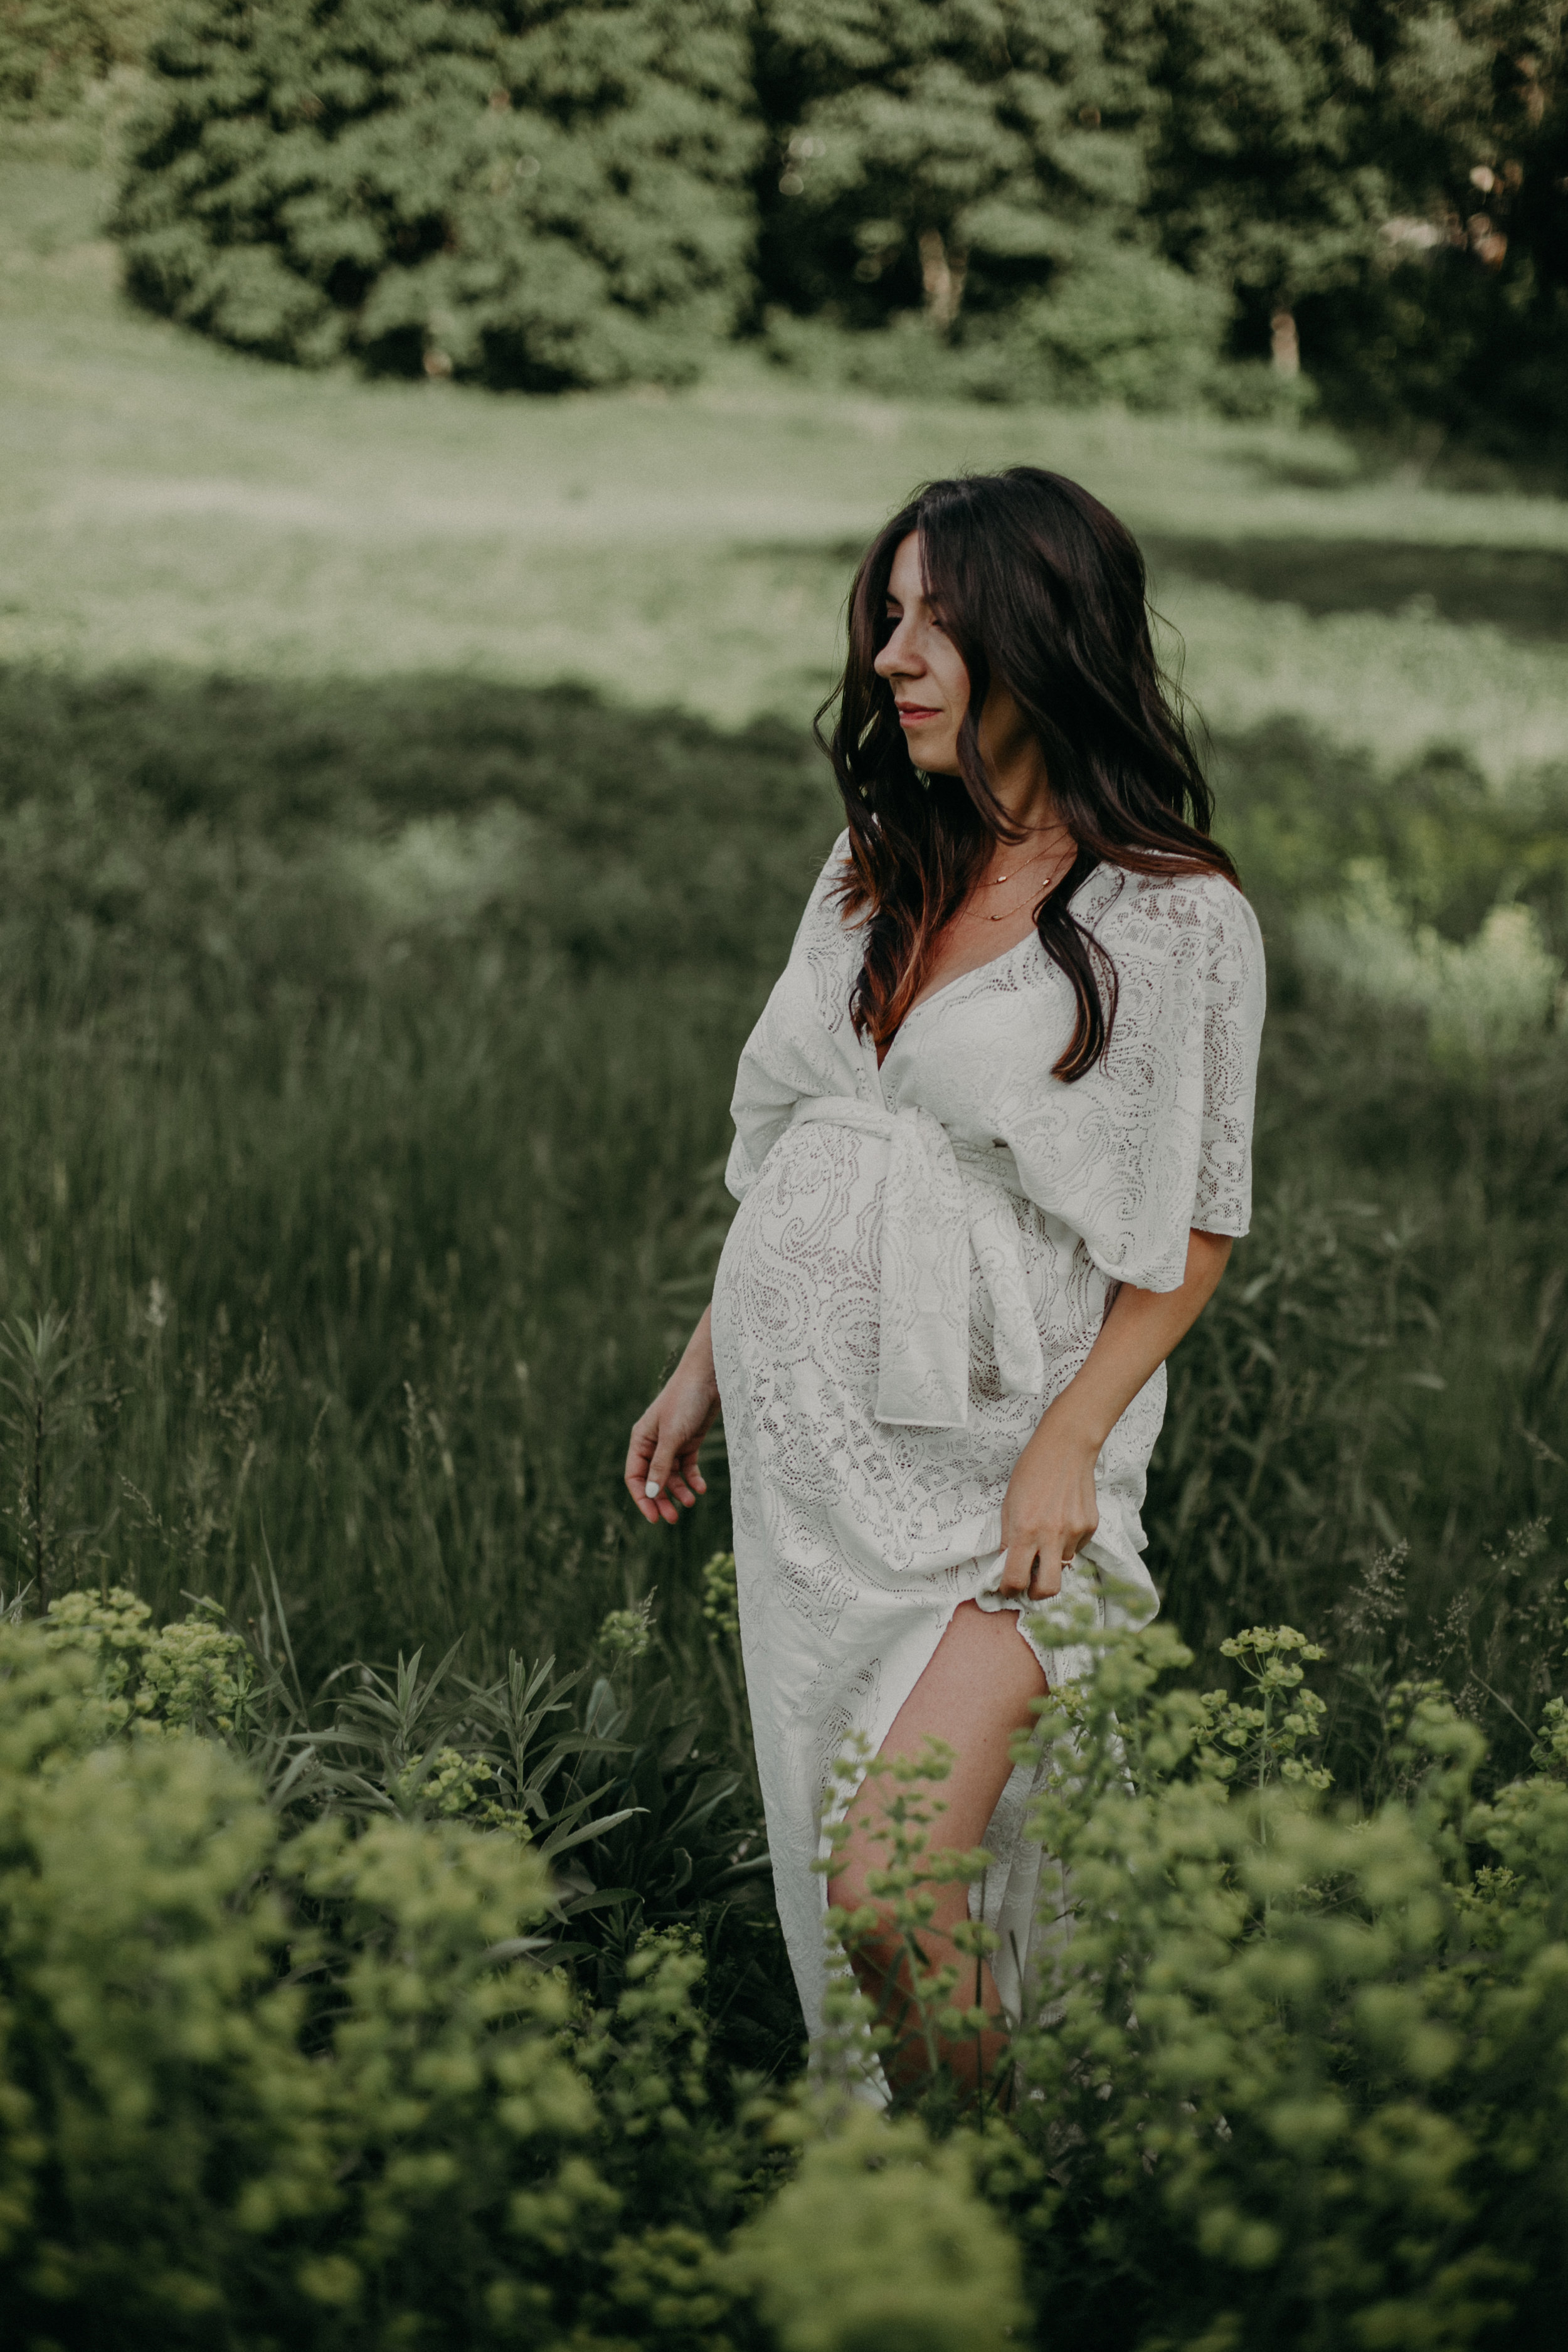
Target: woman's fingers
x=686, y=1482
x=1036, y=1561
x=639, y=1454
x=670, y=1480
x=1018, y=1567
x=1057, y=1550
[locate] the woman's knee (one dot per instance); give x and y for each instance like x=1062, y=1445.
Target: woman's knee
x=877, y=1936
x=848, y=1888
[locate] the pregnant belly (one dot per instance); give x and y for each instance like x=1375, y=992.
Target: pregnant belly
x=799, y=1277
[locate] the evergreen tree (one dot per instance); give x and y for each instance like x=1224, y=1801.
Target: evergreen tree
x=936, y=151
x=984, y=161
x=1383, y=190
x=1262, y=176
x=540, y=193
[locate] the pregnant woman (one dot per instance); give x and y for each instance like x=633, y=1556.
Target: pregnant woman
x=992, y=1146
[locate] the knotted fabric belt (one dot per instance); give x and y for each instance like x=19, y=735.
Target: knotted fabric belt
x=942, y=1202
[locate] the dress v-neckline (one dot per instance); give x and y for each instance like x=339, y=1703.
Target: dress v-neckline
x=990, y=964
x=924, y=1003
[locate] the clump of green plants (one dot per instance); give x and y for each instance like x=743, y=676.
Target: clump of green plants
x=1282, y=2076
x=882, y=2236
x=322, y=2060
x=605, y=1787
x=321, y=2084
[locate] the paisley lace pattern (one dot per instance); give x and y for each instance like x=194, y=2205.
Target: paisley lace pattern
x=921, y=1260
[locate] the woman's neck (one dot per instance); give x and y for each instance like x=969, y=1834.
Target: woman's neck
x=1027, y=801
x=1016, y=765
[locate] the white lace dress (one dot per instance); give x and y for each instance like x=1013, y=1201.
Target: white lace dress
x=922, y=1257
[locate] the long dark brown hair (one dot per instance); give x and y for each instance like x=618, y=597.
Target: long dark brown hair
x=1041, y=590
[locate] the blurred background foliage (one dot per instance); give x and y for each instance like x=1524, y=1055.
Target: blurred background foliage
x=1159, y=201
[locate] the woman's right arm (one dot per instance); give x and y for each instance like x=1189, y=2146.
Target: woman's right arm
x=661, y=1461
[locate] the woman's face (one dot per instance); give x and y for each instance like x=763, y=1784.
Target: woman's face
x=931, y=685
x=922, y=666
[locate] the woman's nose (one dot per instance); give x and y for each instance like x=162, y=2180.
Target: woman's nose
x=897, y=657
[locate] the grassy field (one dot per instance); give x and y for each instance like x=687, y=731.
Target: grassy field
x=165, y=502
x=405, y=803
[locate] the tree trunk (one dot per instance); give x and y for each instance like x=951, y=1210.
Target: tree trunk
x=942, y=274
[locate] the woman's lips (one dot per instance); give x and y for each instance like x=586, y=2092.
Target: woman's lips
x=916, y=714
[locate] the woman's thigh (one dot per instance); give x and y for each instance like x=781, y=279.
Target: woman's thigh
x=973, y=1696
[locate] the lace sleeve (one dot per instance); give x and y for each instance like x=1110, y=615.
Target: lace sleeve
x=1233, y=1027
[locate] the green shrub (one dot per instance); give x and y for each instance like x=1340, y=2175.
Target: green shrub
x=1115, y=323
x=164, y=2130
x=1282, y=2078
x=610, y=1791
x=881, y=2239
x=50, y=49
x=1293, y=2079
x=193, y=1674
x=1290, y=2085
x=536, y=193
x=257, y=2088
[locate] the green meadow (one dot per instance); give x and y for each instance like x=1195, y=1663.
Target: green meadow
x=405, y=799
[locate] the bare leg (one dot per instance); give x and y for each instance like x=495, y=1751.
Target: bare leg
x=974, y=1695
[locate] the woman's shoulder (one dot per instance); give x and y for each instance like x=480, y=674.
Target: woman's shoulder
x=837, y=864
x=826, y=921
x=827, y=891
x=1179, y=900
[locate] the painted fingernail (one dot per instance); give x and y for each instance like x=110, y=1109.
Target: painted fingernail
x=651, y=1490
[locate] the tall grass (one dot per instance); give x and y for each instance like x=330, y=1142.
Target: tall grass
x=366, y=1056
x=363, y=1147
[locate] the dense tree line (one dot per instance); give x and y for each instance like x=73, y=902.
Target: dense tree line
x=1050, y=197
x=1378, y=189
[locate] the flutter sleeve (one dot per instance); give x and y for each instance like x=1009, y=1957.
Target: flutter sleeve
x=1233, y=1028
x=1156, y=1139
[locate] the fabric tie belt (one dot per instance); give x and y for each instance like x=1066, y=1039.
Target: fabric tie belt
x=943, y=1200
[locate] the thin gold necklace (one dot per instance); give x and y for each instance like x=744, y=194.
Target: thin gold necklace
x=1009, y=912
x=994, y=881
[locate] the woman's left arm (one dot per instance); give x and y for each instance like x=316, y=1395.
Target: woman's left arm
x=1051, y=1509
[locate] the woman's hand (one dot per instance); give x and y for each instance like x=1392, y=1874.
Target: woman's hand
x=1050, y=1510
x=661, y=1461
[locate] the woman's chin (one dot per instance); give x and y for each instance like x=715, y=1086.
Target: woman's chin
x=932, y=749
